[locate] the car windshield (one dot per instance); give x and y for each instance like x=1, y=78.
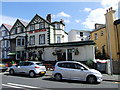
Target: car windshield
x=40, y=64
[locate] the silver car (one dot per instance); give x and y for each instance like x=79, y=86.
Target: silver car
x=73, y=70
x=31, y=68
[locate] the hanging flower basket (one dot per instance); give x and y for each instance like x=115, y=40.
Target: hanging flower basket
x=54, y=53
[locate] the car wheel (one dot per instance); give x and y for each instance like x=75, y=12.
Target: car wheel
x=11, y=72
x=91, y=79
x=58, y=77
x=32, y=74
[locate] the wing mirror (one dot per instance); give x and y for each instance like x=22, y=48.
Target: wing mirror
x=82, y=68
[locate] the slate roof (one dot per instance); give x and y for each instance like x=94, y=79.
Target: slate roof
x=8, y=26
x=23, y=22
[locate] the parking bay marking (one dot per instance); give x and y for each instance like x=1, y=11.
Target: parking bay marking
x=22, y=85
x=10, y=86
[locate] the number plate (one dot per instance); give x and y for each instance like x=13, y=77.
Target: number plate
x=42, y=72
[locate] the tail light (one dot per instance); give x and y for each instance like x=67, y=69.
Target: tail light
x=37, y=67
x=6, y=65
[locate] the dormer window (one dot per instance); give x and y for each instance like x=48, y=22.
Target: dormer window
x=57, y=26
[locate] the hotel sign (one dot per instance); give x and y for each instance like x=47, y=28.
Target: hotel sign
x=36, y=31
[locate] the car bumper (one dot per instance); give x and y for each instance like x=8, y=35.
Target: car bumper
x=3, y=69
x=99, y=78
x=41, y=73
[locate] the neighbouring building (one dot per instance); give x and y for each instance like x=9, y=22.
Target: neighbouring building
x=78, y=35
x=5, y=41
x=107, y=37
x=18, y=39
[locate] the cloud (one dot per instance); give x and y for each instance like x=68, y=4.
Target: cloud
x=62, y=14
x=97, y=15
x=109, y=3
x=87, y=9
x=94, y=17
x=9, y=20
x=66, y=21
x=77, y=21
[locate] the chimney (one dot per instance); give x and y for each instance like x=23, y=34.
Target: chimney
x=49, y=18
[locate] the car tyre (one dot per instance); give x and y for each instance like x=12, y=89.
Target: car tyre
x=91, y=79
x=58, y=77
x=32, y=74
x=11, y=72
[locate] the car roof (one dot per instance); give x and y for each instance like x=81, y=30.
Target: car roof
x=68, y=62
x=33, y=61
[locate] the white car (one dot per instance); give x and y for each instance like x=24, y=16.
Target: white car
x=73, y=70
x=31, y=68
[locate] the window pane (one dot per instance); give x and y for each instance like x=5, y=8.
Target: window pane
x=32, y=40
x=81, y=34
x=58, y=39
x=42, y=38
x=36, y=26
x=42, y=25
x=18, y=54
x=23, y=41
x=18, y=42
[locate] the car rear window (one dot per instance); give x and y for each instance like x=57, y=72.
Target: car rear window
x=40, y=64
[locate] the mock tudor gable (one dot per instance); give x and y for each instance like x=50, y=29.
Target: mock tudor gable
x=40, y=32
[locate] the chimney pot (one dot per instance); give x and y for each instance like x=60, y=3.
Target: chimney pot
x=107, y=10
x=111, y=8
x=61, y=20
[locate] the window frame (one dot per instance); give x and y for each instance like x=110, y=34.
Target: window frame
x=95, y=36
x=81, y=34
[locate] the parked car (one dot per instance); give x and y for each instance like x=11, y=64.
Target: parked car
x=30, y=68
x=73, y=70
x=3, y=67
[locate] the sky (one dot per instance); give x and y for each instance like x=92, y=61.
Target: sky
x=76, y=15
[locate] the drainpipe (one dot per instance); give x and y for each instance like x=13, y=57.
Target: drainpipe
x=66, y=55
